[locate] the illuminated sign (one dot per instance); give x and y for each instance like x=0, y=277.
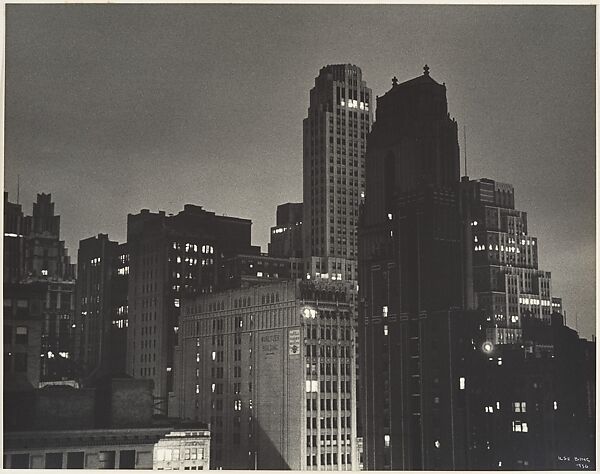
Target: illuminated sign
x=309, y=313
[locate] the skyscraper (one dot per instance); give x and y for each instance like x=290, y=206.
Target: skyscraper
x=411, y=275
x=506, y=279
x=335, y=138
x=170, y=258
x=101, y=306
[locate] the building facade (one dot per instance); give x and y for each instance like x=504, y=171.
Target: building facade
x=335, y=138
x=101, y=308
x=411, y=272
x=35, y=259
x=248, y=270
x=507, y=281
x=171, y=258
x=286, y=236
x=183, y=449
x=273, y=369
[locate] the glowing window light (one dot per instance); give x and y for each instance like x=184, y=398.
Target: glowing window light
x=462, y=383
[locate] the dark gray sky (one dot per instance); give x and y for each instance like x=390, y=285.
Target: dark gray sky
x=115, y=108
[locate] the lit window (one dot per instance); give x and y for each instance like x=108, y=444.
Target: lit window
x=437, y=443
x=387, y=440
x=462, y=383
x=390, y=218
x=214, y=355
x=259, y=274
x=385, y=311
x=176, y=302
x=385, y=329
x=45, y=272
x=197, y=388
x=556, y=405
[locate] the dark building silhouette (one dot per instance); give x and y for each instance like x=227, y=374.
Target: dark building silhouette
x=411, y=273
x=107, y=425
x=23, y=316
x=465, y=360
x=242, y=271
x=171, y=258
x=101, y=310
x=14, y=241
x=39, y=282
x=286, y=236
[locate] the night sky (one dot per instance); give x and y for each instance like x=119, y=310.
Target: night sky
x=115, y=108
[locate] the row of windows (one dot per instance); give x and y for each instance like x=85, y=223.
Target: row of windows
x=147, y=371
x=75, y=460
x=328, y=386
x=328, y=422
x=328, y=369
x=328, y=404
x=328, y=459
x=326, y=350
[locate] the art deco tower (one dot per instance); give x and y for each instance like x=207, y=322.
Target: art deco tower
x=335, y=130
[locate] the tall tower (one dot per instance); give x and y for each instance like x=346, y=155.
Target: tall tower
x=410, y=279
x=335, y=138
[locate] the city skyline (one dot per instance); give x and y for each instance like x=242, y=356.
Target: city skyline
x=78, y=103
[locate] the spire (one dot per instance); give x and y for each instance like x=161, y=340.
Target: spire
x=426, y=70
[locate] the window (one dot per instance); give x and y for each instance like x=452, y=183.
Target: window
x=22, y=335
x=126, y=459
x=520, y=426
x=20, y=461
x=75, y=460
x=8, y=334
x=54, y=460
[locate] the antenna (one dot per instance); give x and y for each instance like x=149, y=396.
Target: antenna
x=465, y=143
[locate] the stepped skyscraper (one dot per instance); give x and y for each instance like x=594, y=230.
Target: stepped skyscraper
x=335, y=138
